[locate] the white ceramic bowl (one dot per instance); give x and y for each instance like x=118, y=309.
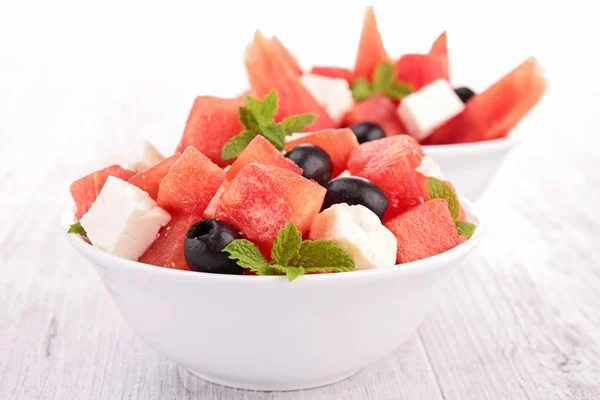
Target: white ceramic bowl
x=471, y=166
x=265, y=333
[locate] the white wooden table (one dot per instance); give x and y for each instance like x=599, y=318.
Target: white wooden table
x=519, y=320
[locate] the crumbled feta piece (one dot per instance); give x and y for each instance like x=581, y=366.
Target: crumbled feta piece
x=142, y=156
x=430, y=168
x=333, y=94
x=424, y=111
x=359, y=231
x=123, y=220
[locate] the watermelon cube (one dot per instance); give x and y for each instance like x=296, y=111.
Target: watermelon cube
x=395, y=174
x=150, y=179
x=210, y=124
x=261, y=199
x=402, y=144
x=333, y=72
x=338, y=143
x=190, y=184
x=378, y=109
x=261, y=151
x=494, y=112
x=85, y=190
x=267, y=71
x=424, y=231
x=370, y=48
x=167, y=249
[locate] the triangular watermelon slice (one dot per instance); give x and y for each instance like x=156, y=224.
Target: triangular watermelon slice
x=282, y=53
x=422, y=69
x=370, y=48
x=267, y=72
x=493, y=113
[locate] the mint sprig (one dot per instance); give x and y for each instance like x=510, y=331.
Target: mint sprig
x=438, y=189
x=383, y=81
x=291, y=256
x=464, y=228
x=258, y=118
x=77, y=228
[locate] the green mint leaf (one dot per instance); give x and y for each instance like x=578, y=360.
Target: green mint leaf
x=384, y=75
x=398, y=89
x=297, y=123
x=236, y=145
x=287, y=244
x=439, y=189
x=323, y=254
x=466, y=229
x=264, y=110
x=294, y=272
x=248, y=256
x=77, y=228
x=248, y=119
x=361, y=89
x=275, y=134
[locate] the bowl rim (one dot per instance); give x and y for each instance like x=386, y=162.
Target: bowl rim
x=485, y=146
x=418, y=267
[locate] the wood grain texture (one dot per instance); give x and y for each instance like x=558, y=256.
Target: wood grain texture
x=519, y=320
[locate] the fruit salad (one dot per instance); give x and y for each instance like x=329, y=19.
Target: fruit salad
x=249, y=192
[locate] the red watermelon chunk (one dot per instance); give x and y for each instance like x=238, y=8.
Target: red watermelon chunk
x=282, y=53
x=210, y=124
x=395, y=174
x=422, y=69
x=338, y=143
x=263, y=198
x=378, y=109
x=402, y=144
x=261, y=151
x=370, y=48
x=424, y=231
x=150, y=179
x=333, y=72
x=493, y=113
x=268, y=72
x=85, y=190
x=190, y=184
x=167, y=249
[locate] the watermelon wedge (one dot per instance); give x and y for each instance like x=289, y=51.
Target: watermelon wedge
x=268, y=72
x=283, y=54
x=493, y=113
x=150, y=179
x=422, y=69
x=338, y=143
x=210, y=124
x=85, y=190
x=167, y=250
x=401, y=145
x=261, y=151
x=378, y=109
x=191, y=183
x=261, y=199
x=424, y=231
x=370, y=48
x=333, y=72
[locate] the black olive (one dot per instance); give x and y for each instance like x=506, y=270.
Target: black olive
x=464, y=93
x=314, y=161
x=203, y=247
x=367, y=132
x=354, y=190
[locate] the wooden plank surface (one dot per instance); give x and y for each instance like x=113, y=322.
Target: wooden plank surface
x=519, y=320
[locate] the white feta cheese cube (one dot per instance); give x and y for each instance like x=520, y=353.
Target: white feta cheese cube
x=123, y=220
x=142, y=156
x=424, y=111
x=333, y=94
x=358, y=231
x=430, y=168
